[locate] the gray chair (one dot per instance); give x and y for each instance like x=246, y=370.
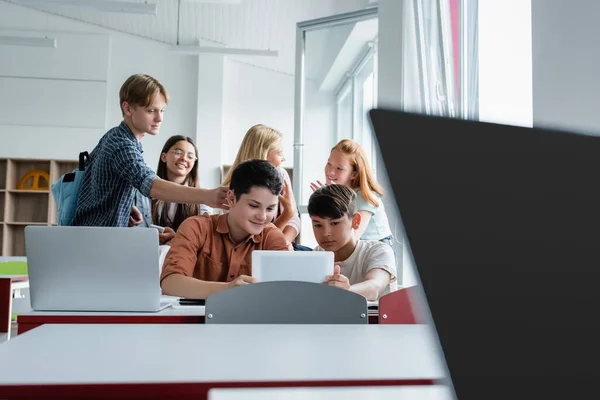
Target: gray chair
x=286, y=302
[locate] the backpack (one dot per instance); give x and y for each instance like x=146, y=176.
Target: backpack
x=66, y=192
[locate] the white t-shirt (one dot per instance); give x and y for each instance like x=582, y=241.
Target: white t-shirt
x=173, y=209
x=367, y=255
x=379, y=226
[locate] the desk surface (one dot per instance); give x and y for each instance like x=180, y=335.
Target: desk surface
x=129, y=353
x=175, y=310
x=169, y=311
x=434, y=392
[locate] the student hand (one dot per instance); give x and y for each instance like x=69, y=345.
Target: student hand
x=135, y=217
x=166, y=235
x=315, y=186
x=337, y=279
x=287, y=199
x=217, y=197
x=241, y=281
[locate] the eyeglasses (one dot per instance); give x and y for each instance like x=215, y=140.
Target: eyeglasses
x=189, y=156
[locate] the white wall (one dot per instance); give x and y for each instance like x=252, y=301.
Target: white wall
x=565, y=64
x=209, y=123
x=254, y=95
x=53, y=100
x=75, y=96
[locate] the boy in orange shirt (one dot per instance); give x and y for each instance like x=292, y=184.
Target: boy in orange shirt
x=211, y=253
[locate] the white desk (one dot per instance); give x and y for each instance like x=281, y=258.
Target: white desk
x=185, y=315
x=169, y=311
x=433, y=392
x=188, y=360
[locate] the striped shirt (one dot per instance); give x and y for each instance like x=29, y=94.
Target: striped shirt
x=115, y=169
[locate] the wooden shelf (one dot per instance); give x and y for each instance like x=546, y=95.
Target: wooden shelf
x=19, y=207
x=28, y=191
x=3, y=174
x=25, y=223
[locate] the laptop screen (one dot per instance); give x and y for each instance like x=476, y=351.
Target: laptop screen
x=504, y=227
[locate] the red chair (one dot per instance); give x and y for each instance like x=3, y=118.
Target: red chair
x=400, y=307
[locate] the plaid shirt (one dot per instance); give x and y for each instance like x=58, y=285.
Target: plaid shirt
x=115, y=169
x=144, y=205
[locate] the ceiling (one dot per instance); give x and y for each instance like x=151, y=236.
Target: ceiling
x=251, y=24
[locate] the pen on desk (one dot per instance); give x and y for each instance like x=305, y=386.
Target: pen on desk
x=188, y=302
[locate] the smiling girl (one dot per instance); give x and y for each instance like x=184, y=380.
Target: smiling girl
x=347, y=165
x=178, y=163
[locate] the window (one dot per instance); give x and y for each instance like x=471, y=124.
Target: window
x=344, y=112
x=335, y=88
x=366, y=89
x=356, y=96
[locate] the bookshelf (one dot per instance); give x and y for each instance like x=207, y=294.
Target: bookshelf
x=24, y=206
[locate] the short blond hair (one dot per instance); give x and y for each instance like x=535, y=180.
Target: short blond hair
x=256, y=145
x=140, y=89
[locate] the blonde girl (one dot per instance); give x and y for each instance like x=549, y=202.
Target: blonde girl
x=264, y=143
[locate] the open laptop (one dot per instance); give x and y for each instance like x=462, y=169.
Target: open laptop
x=305, y=266
x=503, y=225
x=93, y=269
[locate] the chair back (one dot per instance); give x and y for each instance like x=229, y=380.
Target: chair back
x=400, y=307
x=286, y=302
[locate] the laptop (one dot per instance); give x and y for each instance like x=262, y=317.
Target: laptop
x=93, y=269
x=503, y=225
x=304, y=266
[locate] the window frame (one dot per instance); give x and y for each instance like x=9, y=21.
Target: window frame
x=352, y=84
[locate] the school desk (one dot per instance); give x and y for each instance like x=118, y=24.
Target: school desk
x=33, y=319
x=184, y=361
x=431, y=392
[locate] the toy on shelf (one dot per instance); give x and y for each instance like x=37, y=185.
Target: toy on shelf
x=36, y=176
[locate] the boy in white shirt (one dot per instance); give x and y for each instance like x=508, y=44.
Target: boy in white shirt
x=366, y=267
